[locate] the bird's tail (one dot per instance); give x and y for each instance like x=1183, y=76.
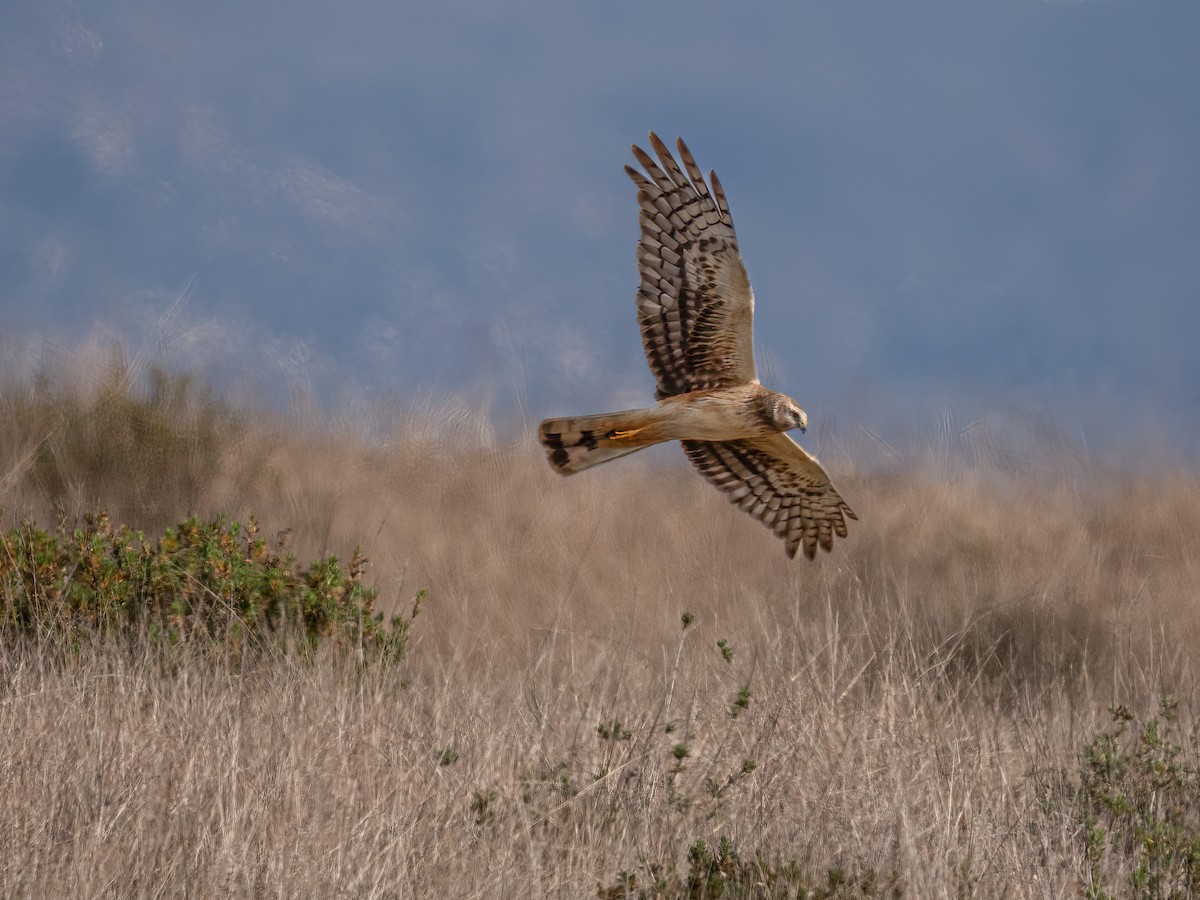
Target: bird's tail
x=581, y=442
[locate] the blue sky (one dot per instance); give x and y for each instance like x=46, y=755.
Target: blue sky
x=987, y=208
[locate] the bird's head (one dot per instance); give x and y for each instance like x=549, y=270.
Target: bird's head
x=787, y=414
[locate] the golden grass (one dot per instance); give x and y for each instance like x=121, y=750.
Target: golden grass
x=973, y=630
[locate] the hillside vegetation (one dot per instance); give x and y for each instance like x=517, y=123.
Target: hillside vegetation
x=618, y=685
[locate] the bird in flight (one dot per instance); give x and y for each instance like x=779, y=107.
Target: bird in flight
x=696, y=312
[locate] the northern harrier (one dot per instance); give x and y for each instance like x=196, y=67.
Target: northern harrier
x=696, y=312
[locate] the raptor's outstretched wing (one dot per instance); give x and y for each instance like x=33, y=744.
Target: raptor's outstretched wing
x=778, y=483
x=694, y=305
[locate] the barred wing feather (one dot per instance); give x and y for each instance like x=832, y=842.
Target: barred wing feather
x=777, y=482
x=694, y=305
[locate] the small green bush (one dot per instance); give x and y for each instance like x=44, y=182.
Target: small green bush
x=1134, y=805
x=213, y=584
x=1139, y=803
x=721, y=872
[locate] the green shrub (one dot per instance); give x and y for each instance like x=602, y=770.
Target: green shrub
x=1135, y=809
x=1140, y=802
x=213, y=584
x=721, y=872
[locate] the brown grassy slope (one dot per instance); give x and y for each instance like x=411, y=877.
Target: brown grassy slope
x=971, y=630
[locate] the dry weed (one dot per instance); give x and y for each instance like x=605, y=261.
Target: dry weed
x=556, y=728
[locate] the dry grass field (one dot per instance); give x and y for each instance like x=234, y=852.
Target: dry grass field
x=926, y=712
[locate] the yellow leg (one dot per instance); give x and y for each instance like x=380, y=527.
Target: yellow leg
x=624, y=435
